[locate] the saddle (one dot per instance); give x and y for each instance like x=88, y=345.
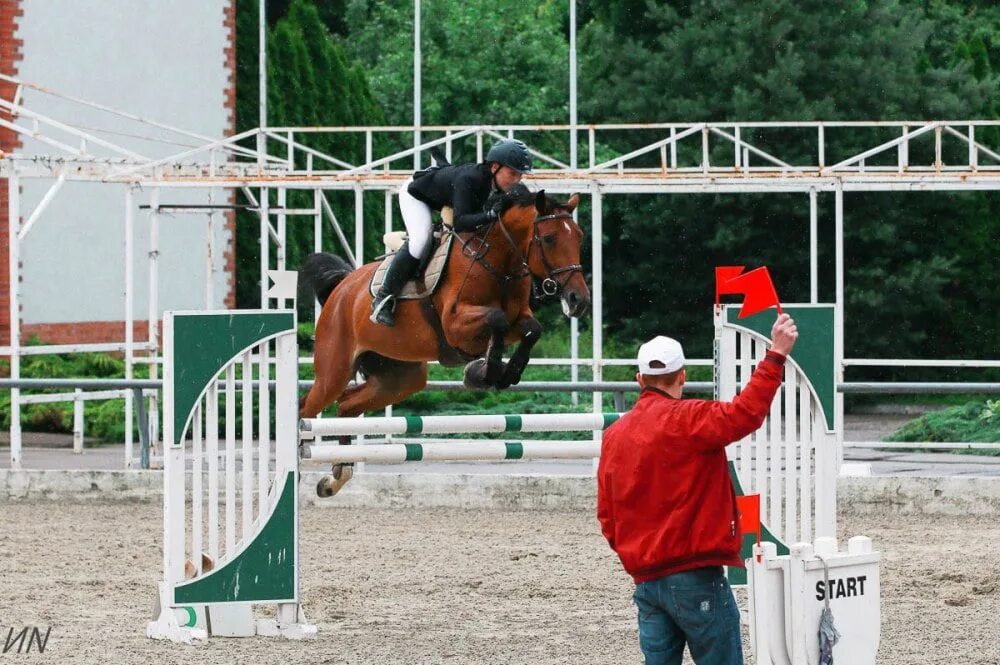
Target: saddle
x=429, y=275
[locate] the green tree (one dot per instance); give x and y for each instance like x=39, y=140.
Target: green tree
x=498, y=62
x=912, y=259
x=311, y=82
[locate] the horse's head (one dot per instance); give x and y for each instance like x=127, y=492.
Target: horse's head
x=553, y=241
x=554, y=254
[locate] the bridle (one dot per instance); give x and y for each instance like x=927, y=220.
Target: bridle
x=550, y=285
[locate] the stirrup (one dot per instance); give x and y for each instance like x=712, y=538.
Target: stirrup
x=383, y=311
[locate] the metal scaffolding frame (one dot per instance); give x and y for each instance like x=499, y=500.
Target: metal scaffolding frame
x=650, y=158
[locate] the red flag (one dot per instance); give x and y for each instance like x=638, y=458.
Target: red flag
x=756, y=287
x=748, y=509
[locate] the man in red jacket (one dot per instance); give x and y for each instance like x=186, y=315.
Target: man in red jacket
x=667, y=506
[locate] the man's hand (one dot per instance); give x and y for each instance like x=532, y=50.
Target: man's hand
x=783, y=334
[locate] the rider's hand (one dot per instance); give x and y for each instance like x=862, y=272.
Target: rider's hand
x=492, y=215
x=783, y=334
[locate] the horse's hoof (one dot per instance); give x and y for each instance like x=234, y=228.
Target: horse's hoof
x=474, y=376
x=343, y=472
x=324, y=488
x=330, y=485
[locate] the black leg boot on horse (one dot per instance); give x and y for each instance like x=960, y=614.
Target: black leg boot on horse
x=402, y=267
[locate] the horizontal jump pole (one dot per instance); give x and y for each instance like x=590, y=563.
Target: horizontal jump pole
x=478, y=424
x=398, y=453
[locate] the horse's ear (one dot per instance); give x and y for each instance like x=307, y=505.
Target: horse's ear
x=541, y=203
x=573, y=202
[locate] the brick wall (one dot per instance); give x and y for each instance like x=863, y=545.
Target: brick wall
x=84, y=332
x=10, y=55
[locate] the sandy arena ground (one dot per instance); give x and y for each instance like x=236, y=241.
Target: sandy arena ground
x=447, y=586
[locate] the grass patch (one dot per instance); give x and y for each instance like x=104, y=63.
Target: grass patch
x=973, y=422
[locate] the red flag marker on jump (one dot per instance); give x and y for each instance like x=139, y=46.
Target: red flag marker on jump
x=756, y=287
x=748, y=507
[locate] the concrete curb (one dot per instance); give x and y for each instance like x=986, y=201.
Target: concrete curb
x=76, y=485
x=905, y=494
x=945, y=495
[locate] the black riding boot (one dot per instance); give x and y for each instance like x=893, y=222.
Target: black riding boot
x=402, y=267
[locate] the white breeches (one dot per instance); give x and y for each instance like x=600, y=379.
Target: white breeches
x=417, y=218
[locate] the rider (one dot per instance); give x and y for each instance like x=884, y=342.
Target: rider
x=464, y=187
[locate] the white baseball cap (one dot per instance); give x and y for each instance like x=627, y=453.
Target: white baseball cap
x=664, y=349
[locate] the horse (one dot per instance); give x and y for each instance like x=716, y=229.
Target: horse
x=480, y=306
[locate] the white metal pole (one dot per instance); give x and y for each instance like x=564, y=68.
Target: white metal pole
x=417, y=63
x=359, y=253
x=210, y=242
x=282, y=227
x=359, y=224
x=265, y=243
x=210, y=258
x=317, y=238
x=574, y=346
x=388, y=229
x=262, y=80
x=838, y=315
x=78, y=422
x=14, y=261
x=813, y=249
x=574, y=326
x=597, y=314
x=154, y=310
x=572, y=84
x=574, y=354
x=388, y=211
x=129, y=318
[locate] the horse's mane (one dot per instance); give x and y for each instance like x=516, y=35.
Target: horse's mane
x=519, y=195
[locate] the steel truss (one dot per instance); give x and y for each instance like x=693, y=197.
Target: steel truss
x=652, y=158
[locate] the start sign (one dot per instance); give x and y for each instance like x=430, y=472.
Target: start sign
x=789, y=592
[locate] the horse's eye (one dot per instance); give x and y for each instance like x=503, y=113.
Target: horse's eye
x=549, y=240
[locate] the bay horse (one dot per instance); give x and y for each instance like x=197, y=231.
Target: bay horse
x=481, y=305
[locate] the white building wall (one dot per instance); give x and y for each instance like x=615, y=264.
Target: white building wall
x=160, y=60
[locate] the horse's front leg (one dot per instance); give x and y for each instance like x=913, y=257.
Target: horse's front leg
x=473, y=323
x=529, y=331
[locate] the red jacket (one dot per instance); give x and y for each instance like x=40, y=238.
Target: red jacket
x=664, y=497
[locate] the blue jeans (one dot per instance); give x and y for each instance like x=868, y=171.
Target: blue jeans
x=695, y=607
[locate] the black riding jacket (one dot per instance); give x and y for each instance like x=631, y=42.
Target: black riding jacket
x=464, y=187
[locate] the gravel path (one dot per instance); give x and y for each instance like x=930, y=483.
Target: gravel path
x=452, y=586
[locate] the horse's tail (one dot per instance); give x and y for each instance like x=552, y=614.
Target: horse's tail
x=322, y=272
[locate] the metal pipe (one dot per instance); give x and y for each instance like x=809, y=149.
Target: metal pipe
x=924, y=445
x=813, y=248
x=597, y=289
x=907, y=362
x=417, y=62
x=317, y=240
x=153, y=335
x=265, y=244
x=918, y=388
x=359, y=226
x=129, y=316
x=572, y=85
x=78, y=423
x=13, y=265
x=143, y=430
x=337, y=230
x=262, y=87
x=42, y=205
